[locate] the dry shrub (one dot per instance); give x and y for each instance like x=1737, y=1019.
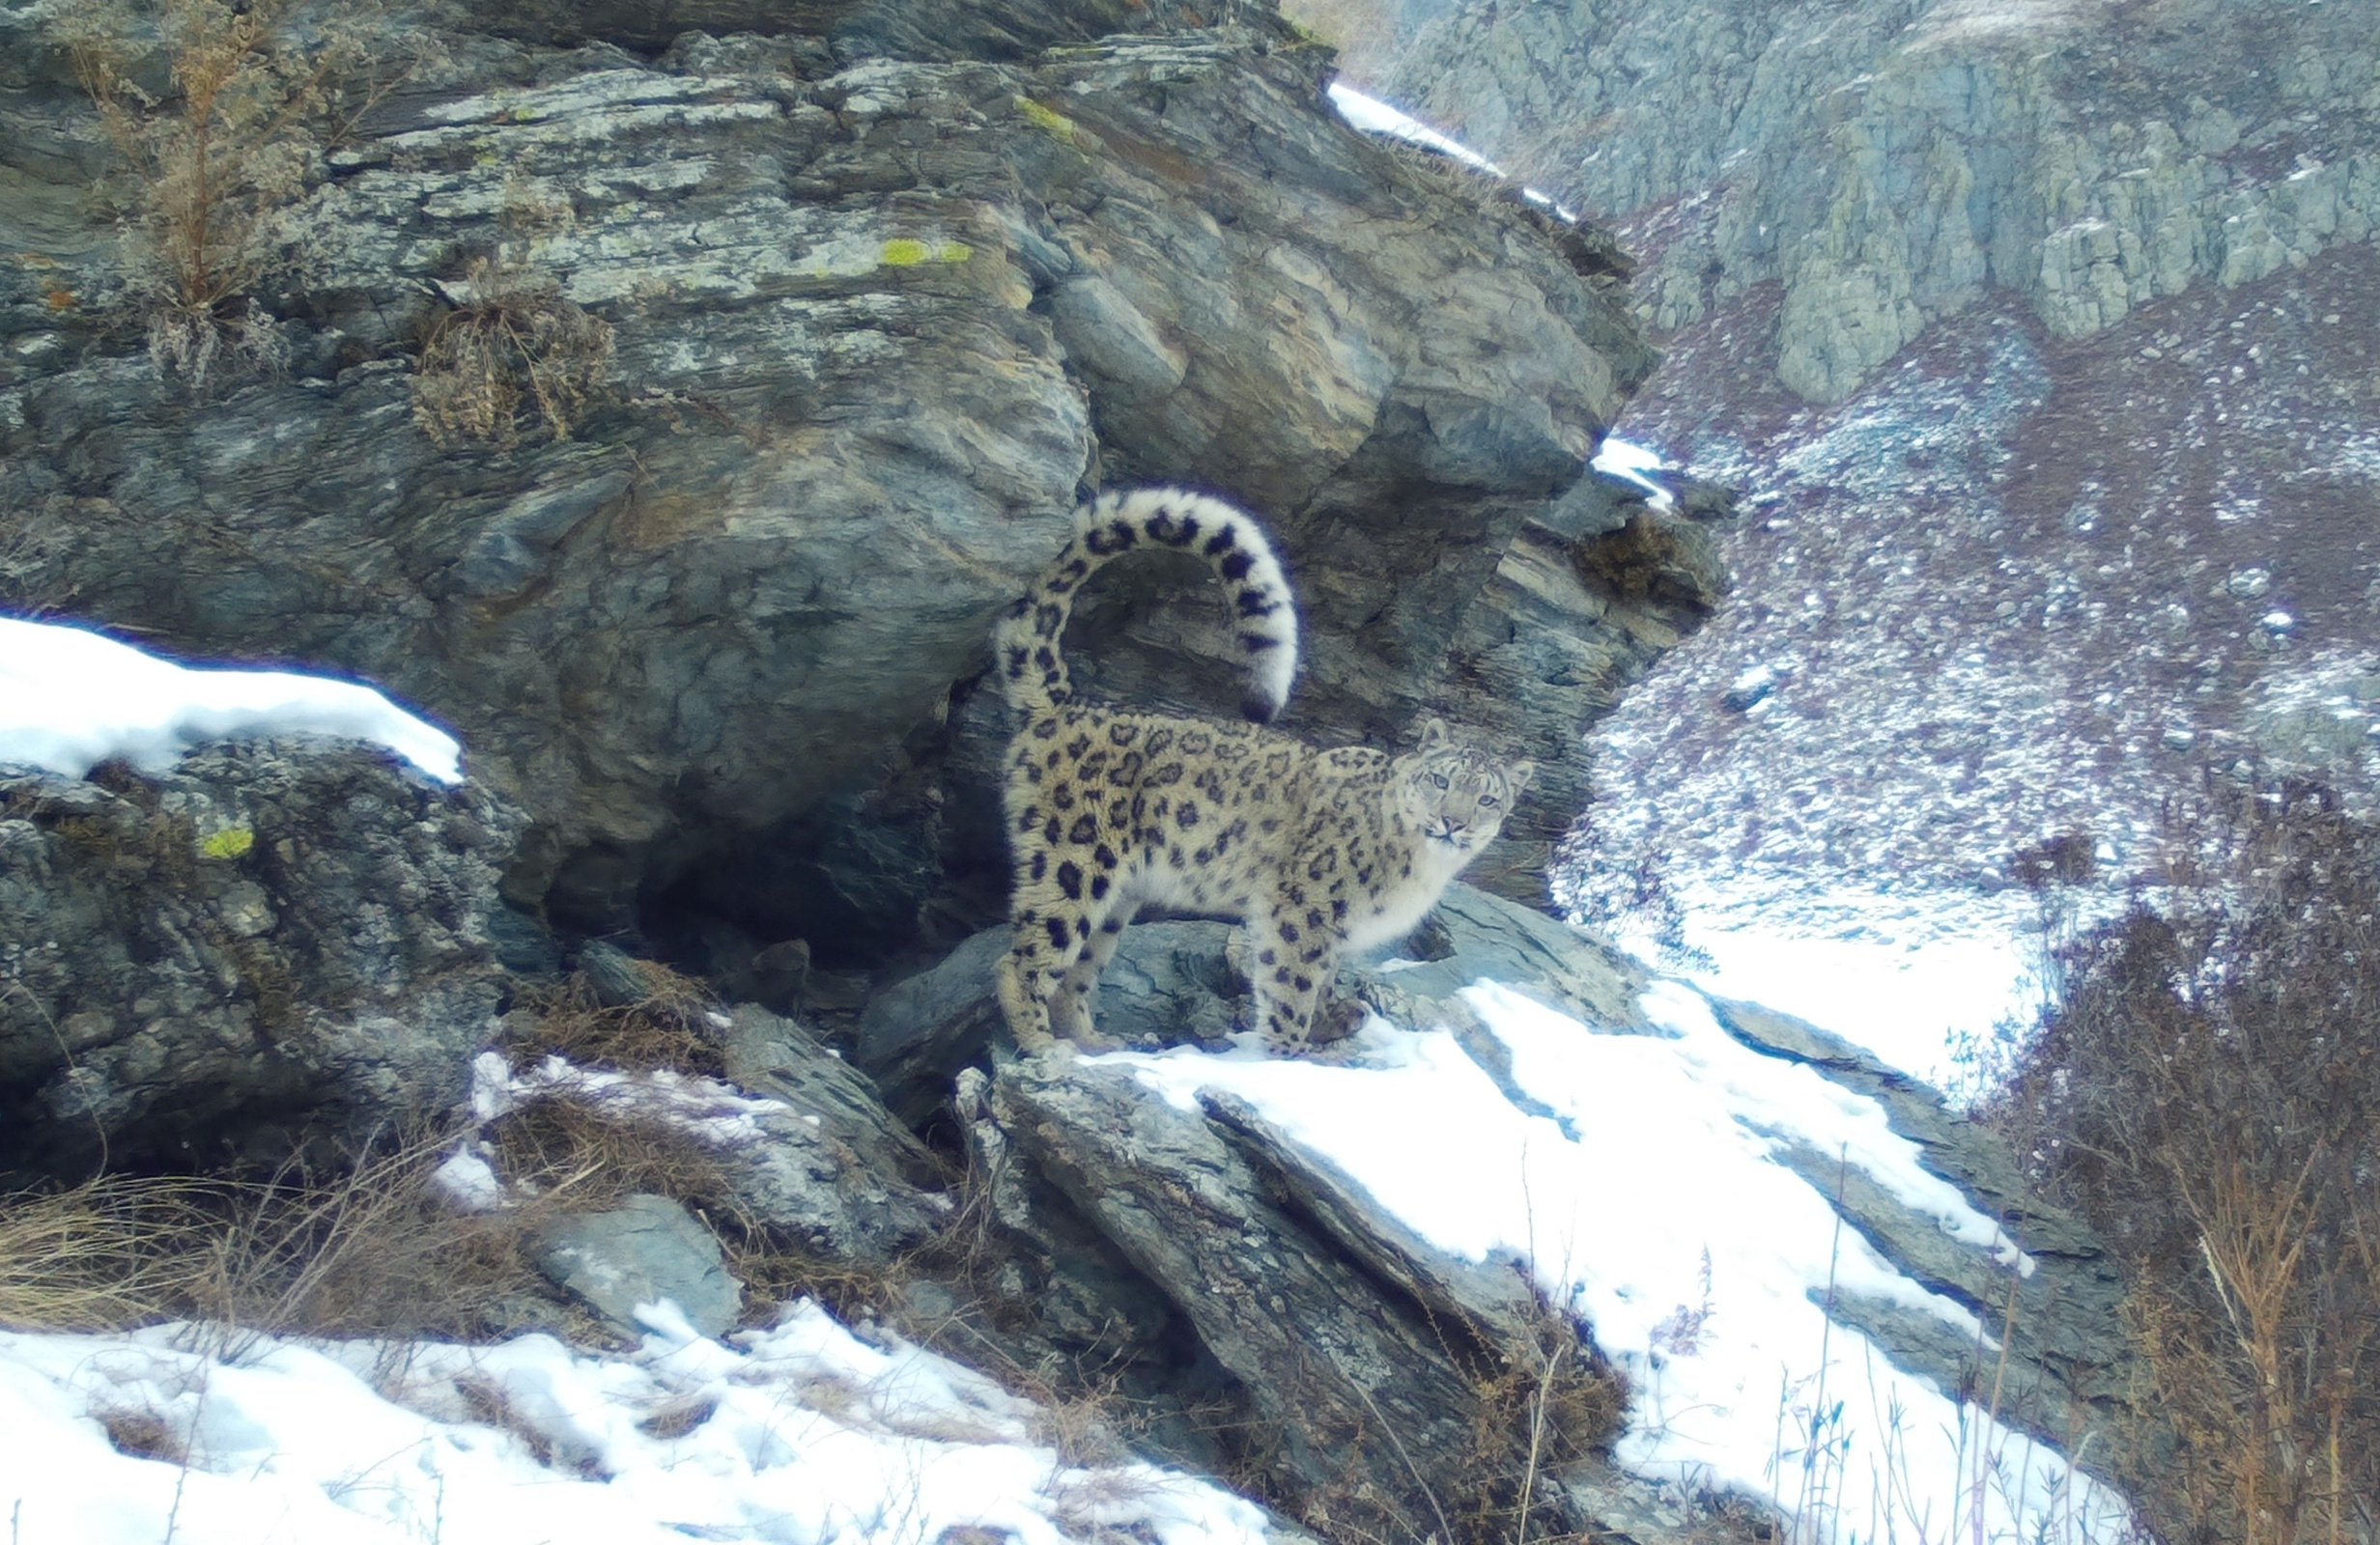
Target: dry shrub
x=1614, y=884
x=1658, y=558
x=668, y=1028
x=517, y=343
x=141, y=1433
x=1535, y=1408
x=2206, y=1088
x=1541, y=1406
x=218, y=114
x=375, y=1250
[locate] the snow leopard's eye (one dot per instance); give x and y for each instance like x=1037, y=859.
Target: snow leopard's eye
x=1438, y=779
x=1486, y=801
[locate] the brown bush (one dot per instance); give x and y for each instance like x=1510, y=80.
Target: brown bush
x=2207, y=1088
x=103, y=1256
x=1656, y=557
x=668, y=1028
x=212, y=164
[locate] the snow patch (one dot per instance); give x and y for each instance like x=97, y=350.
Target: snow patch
x=802, y=1434
x=1636, y=463
x=70, y=698
x=1375, y=117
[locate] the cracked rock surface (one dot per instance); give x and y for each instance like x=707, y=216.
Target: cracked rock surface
x=277, y=938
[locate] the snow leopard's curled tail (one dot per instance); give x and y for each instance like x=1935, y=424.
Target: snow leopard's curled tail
x=1027, y=644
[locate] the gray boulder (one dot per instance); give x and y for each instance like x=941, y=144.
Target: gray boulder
x=1170, y=982
x=833, y=1171
x=276, y=937
x=646, y=1251
x=1361, y=1351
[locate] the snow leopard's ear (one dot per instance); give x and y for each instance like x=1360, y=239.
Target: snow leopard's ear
x=1516, y=778
x=1433, y=733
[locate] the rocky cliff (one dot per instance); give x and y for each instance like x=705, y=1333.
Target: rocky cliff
x=1887, y=165
x=860, y=302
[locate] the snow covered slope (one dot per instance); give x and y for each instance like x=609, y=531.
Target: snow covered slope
x=803, y=1434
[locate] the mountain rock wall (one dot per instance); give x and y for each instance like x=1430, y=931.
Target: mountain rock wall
x=872, y=296
x=1884, y=164
x=2036, y=337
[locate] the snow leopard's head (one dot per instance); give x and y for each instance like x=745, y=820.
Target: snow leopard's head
x=1455, y=794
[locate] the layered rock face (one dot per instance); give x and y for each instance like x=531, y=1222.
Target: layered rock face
x=1885, y=164
x=274, y=942
x=877, y=313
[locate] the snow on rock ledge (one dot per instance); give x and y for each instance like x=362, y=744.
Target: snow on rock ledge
x=1777, y=1239
x=70, y=698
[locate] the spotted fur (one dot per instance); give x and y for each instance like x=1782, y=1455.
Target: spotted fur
x=1320, y=853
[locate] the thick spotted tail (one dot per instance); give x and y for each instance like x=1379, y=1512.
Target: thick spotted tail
x=1027, y=646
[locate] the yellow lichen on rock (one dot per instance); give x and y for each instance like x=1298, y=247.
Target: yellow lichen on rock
x=904, y=252
x=232, y=842
x=1047, y=120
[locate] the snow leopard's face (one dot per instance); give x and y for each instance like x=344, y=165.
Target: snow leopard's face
x=1456, y=795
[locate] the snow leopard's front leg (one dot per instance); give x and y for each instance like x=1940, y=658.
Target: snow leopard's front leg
x=1293, y=965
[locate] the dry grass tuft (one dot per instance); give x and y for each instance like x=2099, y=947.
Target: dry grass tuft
x=517, y=343
x=1535, y=1408
x=105, y=1255
x=1656, y=558
x=1538, y=1407
x=584, y=1157
x=669, y=1028
x=375, y=1250
x=141, y=1433
x=677, y=1421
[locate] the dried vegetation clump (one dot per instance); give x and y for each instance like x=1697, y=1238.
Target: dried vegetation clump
x=1656, y=557
x=666, y=1025
x=1543, y=1407
x=219, y=113
x=516, y=350
x=1531, y=1409
x=372, y=1250
x=2207, y=1090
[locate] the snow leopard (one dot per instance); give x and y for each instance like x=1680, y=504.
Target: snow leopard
x=1317, y=852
